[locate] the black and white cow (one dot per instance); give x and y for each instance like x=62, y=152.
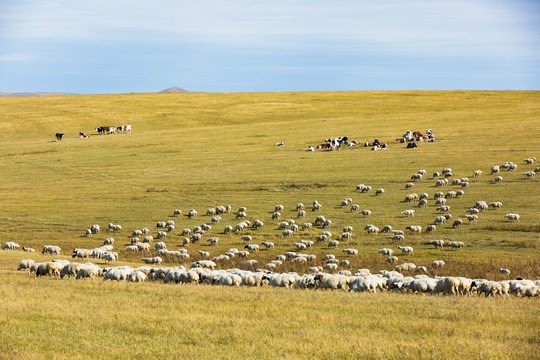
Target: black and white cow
x=59, y=136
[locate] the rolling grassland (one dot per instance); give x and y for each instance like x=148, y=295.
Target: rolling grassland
x=198, y=151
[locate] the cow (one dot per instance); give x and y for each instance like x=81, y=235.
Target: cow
x=324, y=146
x=106, y=130
x=281, y=143
x=417, y=134
x=412, y=145
x=339, y=141
x=82, y=135
x=124, y=128
x=59, y=136
x=429, y=132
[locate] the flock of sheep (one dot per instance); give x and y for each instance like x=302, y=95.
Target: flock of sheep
x=331, y=273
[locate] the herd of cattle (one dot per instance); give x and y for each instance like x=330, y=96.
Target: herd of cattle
x=100, y=130
x=332, y=144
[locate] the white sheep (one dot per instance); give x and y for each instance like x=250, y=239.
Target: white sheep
x=333, y=243
x=408, y=213
x=213, y=240
x=408, y=250
x=379, y=191
x=511, y=217
x=498, y=179
x=437, y=264
x=529, y=174
x=386, y=252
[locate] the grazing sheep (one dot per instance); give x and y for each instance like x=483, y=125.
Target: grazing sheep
x=10, y=245
x=421, y=269
x=136, y=276
x=422, y=203
x=359, y=187
x=414, y=228
x=177, y=212
x=379, y=191
x=457, y=223
x=436, y=174
x=152, y=260
x=350, y=251
x=437, y=264
x=257, y=224
x=316, y=206
x=392, y=259
x=472, y=218
x=333, y=243
x=307, y=226
x=327, y=224
x=192, y=213
x=406, y=250
x=228, y=229
x=95, y=228
x=437, y=243
x=372, y=229
x=28, y=249
x=456, y=244
x=268, y=245
x=247, y=238
x=431, y=228
x=444, y=208
x=320, y=220
x=215, y=220
x=204, y=254
x=25, y=264
x=386, y=252
x=511, y=217
x=355, y=207
x=477, y=173
x=504, y=271
x=398, y=237
x=530, y=160
x=346, y=202
x=301, y=214
x=529, y=174
x=365, y=212
x=447, y=286
x=408, y=213
x=51, y=249
x=409, y=185
x=416, y=177
x=498, y=179
x=276, y=215
x=161, y=234
x=252, y=247
x=460, y=193
x=411, y=197
x=346, y=236
x=495, y=205
x=213, y=240
x=299, y=206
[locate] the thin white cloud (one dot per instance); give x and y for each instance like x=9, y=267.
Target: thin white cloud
x=420, y=26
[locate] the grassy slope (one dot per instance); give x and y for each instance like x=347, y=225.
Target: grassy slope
x=202, y=150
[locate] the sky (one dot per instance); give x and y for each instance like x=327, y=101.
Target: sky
x=122, y=46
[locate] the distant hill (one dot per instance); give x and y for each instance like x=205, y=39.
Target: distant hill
x=17, y=94
x=174, y=89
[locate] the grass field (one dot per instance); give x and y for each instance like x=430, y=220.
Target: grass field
x=198, y=151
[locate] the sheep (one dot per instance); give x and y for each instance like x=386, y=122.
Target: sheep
x=437, y=264
x=268, y=245
x=215, y=220
x=252, y=247
x=280, y=280
x=411, y=197
x=307, y=226
x=152, y=260
x=421, y=269
x=447, y=286
x=460, y=193
x=88, y=233
x=408, y=213
x=143, y=246
x=365, y=212
x=359, y=187
x=148, y=239
x=133, y=248
x=504, y=271
x=228, y=229
x=316, y=207
x=49, y=268
x=422, y=203
x=95, y=228
x=421, y=172
x=472, y=211
x=414, y=228
x=495, y=205
x=241, y=214
x=408, y=250
x=161, y=234
x=319, y=220
x=331, y=267
x=456, y=244
x=51, y=249
x=477, y=173
x=379, y=191
x=117, y=273
x=437, y=243
x=333, y=243
x=372, y=230
x=436, y=174
x=346, y=202
x=498, y=179
x=444, y=208
x=287, y=233
x=529, y=174
x=177, y=212
x=192, y=213
x=327, y=224
x=440, y=201
x=511, y=217
x=392, y=259
x=472, y=218
x=195, y=237
x=10, y=245
x=366, y=189
x=350, y=251
x=416, y=177
x=257, y=224
x=136, y=276
x=160, y=245
x=25, y=264
x=530, y=160
x=299, y=206
x=457, y=223
x=87, y=272
x=405, y=267
x=386, y=252
x=346, y=236
x=398, y=237
x=213, y=240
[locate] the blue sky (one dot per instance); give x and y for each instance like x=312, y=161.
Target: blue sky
x=118, y=46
